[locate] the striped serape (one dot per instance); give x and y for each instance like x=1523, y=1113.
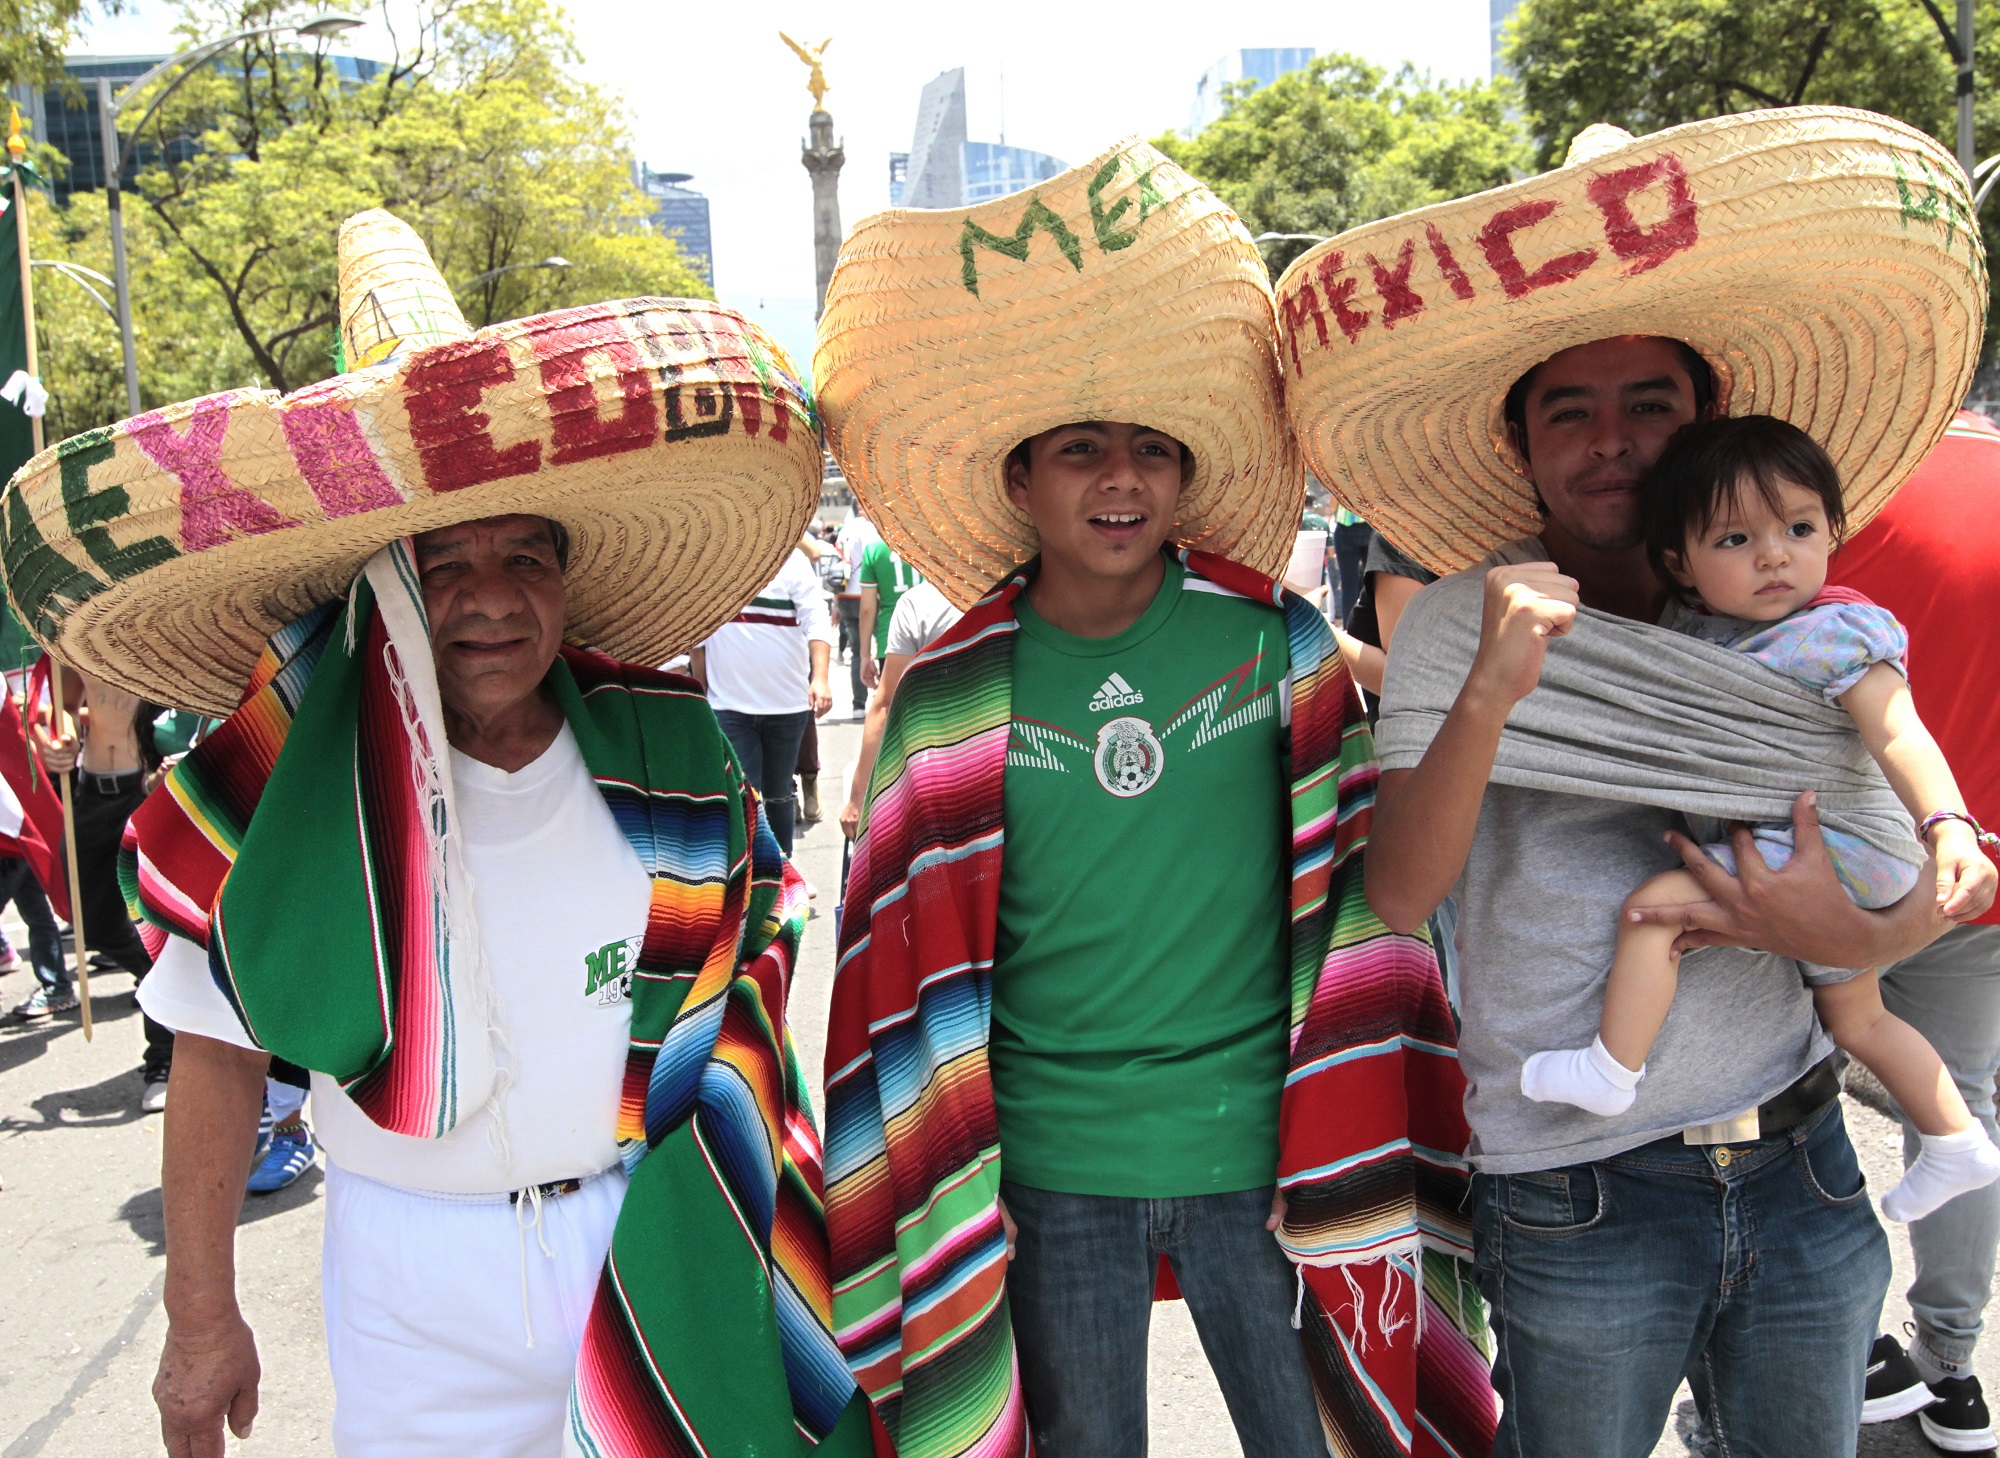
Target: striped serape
x=1371, y=1127
x=307, y=845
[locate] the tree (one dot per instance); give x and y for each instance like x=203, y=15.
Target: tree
x=1647, y=64
x=1342, y=143
x=477, y=132
x=34, y=34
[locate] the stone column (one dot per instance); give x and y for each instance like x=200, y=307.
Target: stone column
x=822, y=157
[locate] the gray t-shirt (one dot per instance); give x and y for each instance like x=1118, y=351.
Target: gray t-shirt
x=1537, y=923
x=923, y=615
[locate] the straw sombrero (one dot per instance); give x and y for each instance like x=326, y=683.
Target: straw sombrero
x=670, y=436
x=1824, y=261
x=1119, y=290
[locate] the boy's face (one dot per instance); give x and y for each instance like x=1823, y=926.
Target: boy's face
x=1102, y=495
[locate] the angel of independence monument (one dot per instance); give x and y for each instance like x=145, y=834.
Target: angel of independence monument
x=822, y=157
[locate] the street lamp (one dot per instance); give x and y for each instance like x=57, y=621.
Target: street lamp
x=322, y=27
x=480, y=278
x=77, y=274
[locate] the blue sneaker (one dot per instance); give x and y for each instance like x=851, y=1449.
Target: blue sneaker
x=291, y=1155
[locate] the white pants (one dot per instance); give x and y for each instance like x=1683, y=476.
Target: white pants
x=430, y=1304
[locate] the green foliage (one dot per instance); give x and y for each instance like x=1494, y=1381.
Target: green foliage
x=33, y=36
x=1647, y=64
x=1342, y=143
x=477, y=133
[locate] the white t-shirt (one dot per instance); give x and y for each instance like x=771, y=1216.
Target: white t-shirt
x=562, y=900
x=923, y=615
x=759, y=661
x=854, y=538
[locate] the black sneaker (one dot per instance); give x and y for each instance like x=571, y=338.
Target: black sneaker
x=1959, y=1422
x=1895, y=1390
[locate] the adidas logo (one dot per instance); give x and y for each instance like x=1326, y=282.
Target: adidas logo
x=1115, y=693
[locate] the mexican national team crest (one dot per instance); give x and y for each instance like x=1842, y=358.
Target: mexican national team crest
x=1128, y=757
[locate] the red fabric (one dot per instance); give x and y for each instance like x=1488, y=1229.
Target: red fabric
x=40, y=841
x=1933, y=559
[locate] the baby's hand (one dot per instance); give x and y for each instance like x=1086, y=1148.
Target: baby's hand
x=1966, y=878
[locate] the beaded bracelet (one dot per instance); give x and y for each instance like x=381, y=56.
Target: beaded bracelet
x=1979, y=832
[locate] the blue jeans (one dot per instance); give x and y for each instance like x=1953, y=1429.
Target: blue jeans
x=1754, y=1270
x=767, y=750
x=45, y=953
x=850, y=626
x=1950, y=992
x=1080, y=1293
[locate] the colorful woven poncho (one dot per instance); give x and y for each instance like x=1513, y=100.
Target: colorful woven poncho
x=318, y=817
x=1371, y=1128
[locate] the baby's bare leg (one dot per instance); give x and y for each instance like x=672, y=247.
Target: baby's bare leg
x=1956, y=1155
x=1645, y=973
x=1604, y=1078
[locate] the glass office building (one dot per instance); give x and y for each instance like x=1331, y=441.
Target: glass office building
x=1261, y=65
x=682, y=214
x=993, y=169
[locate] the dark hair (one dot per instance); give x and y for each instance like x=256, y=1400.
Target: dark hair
x=1514, y=409
x=559, y=538
x=1020, y=455
x=1696, y=478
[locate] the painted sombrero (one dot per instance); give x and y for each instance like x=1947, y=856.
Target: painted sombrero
x=1824, y=261
x=1118, y=290
x=670, y=436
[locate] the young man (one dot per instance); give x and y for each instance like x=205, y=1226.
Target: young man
x=1107, y=983
x=884, y=578
x=1717, y=1231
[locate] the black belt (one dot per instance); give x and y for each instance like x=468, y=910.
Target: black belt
x=1810, y=1092
x=110, y=785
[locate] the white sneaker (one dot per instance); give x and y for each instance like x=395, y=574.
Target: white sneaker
x=154, y=1099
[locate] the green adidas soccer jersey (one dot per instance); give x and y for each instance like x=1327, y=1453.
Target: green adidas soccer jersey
x=891, y=577
x=1140, y=992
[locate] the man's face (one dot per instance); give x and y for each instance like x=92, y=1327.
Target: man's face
x=1101, y=494
x=494, y=592
x=1598, y=416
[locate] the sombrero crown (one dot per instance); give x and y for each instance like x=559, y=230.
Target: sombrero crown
x=1825, y=262
x=670, y=436
x=1119, y=290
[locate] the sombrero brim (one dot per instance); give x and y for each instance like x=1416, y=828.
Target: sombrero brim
x=1823, y=260
x=1119, y=290
x=670, y=437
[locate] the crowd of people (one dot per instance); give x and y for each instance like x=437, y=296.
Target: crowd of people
x=1426, y=931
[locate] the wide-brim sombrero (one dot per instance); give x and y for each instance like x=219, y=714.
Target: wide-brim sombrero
x=670, y=436
x=1118, y=290
x=1824, y=261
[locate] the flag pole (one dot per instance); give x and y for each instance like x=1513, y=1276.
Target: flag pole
x=15, y=149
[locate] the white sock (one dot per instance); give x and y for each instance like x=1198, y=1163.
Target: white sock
x=1947, y=1166
x=1589, y=1077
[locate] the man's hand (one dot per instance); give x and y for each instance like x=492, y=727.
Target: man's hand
x=208, y=1373
x=820, y=697
x=1278, y=1209
x=1965, y=879
x=1007, y=1224
x=1799, y=910
x=1526, y=605
x=850, y=819
x=57, y=755
x=871, y=672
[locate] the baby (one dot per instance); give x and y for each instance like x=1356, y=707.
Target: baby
x=1743, y=514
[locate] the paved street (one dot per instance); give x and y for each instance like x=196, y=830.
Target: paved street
x=81, y=1252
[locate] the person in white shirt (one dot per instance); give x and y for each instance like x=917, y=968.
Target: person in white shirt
x=766, y=673
x=855, y=536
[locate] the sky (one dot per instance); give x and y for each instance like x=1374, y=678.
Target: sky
x=711, y=90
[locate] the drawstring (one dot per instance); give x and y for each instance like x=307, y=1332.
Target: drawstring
x=530, y=1196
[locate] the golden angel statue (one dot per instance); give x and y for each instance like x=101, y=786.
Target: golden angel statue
x=815, y=83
